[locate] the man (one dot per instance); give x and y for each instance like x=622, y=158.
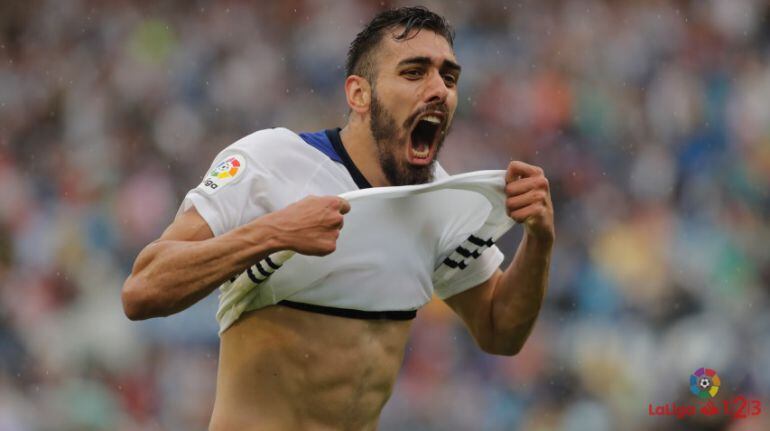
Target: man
x=304, y=366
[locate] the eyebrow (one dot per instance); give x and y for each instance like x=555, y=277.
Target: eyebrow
x=426, y=61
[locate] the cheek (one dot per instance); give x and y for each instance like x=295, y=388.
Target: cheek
x=450, y=120
x=451, y=102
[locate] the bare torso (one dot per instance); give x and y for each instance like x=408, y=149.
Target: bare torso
x=286, y=369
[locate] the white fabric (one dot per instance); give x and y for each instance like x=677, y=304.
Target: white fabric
x=392, y=249
x=280, y=168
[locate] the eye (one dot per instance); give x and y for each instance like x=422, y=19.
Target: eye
x=412, y=73
x=450, y=80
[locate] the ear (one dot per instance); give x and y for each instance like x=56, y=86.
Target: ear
x=358, y=93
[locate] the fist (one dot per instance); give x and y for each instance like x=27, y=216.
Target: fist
x=310, y=226
x=528, y=200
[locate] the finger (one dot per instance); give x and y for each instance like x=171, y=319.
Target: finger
x=518, y=169
x=531, y=211
x=524, y=185
x=337, y=221
x=344, y=206
x=520, y=201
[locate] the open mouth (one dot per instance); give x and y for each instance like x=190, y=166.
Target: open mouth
x=424, y=138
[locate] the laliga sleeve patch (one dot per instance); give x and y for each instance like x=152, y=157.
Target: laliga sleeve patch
x=223, y=173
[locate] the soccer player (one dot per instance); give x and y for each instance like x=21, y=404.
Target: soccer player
x=309, y=362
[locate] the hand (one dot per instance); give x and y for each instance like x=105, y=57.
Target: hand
x=528, y=200
x=310, y=226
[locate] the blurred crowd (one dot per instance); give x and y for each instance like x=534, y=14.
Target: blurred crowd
x=650, y=118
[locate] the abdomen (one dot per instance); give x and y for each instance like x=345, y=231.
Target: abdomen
x=282, y=368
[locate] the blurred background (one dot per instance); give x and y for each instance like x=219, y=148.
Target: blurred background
x=651, y=119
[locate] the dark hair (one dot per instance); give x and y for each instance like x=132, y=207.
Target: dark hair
x=360, y=61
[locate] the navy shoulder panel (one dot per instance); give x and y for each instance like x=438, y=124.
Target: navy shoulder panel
x=320, y=141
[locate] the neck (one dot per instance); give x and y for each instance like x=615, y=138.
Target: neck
x=359, y=143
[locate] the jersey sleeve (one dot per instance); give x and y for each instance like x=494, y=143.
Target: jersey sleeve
x=470, y=271
x=233, y=191
x=475, y=272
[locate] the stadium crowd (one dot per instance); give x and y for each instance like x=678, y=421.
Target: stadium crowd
x=650, y=118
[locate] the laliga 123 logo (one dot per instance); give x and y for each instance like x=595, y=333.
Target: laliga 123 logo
x=705, y=384
x=223, y=173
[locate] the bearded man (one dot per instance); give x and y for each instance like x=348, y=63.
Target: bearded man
x=309, y=362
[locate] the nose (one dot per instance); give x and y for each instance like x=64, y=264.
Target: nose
x=436, y=89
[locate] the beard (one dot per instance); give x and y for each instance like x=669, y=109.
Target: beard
x=391, y=143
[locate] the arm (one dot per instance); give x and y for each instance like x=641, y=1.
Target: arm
x=187, y=262
x=501, y=312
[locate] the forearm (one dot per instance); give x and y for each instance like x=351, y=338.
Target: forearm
x=170, y=276
x=518, y=294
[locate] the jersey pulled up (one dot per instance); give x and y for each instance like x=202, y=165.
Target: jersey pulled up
x=273, y=168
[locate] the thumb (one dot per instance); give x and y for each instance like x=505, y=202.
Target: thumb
x=344, y=206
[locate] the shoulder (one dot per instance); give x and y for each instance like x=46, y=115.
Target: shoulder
x=266, y=142
x=274, y=148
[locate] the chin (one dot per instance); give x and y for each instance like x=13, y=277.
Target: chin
x=408, y=174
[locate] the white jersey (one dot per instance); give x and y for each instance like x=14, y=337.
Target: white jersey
x=389, y=258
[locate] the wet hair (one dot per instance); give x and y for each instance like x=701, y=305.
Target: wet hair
x=360, y=59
